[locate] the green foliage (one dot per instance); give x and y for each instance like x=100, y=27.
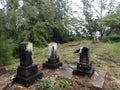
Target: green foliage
x=45, y=84
x=75, y=38
x=43, y=21
x=65, y=82
x=39, y=34
x=113, y=19
x=91, y=24
x=6, y=51
x=111, y=38
x=16, y=51
x=114, y=38
x=6, y=45
x=106, y=39
x=39, y=21
x=110, y=18
x=2, y=24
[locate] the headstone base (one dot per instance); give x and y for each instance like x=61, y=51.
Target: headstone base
x=52, y=63
x=85, y=67
x=53, y=60
x=52, y=66
x=27, y=71
x=27, y=81
x=83, y=72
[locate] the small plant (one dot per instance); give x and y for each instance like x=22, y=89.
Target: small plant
x=45, y=84
x=65, y=82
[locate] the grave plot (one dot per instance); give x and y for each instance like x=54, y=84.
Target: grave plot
x=62, y=77
x=84, y=66
x=27, y=72
x=53, y=59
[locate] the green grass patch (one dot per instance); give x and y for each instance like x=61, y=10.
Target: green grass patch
x=70, y=61
x=63, y=82
x=115, y=48
x=40, y=54
x=14, y=64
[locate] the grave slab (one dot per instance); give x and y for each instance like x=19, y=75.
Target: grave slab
x=98, y=79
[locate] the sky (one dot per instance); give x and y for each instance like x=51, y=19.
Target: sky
x=1, y=5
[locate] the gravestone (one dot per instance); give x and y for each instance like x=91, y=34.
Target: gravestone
x=27, y=72
x=53, y=61
x=95, y=39
x=84, y=66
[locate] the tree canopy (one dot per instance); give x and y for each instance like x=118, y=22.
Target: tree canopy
x=38, y=21
x=113, y=19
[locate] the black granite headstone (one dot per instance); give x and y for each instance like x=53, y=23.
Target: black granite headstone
x=84, y=66
x=53, y=61
x=27, y=72
x=25, y=56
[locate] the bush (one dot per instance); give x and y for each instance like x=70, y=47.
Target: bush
x=45, y=84
x=16, y=51
x=75, y=38
x=111, y=38
x=115, y=38
x=6, y=51
x=106, y=39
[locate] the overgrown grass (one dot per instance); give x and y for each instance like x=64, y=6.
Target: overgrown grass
x=13, y=66
x=100, y=53
x=109, y=52
x=63, y=82
x=40, y=54
x=115, y=50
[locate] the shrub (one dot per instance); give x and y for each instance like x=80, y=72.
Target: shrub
x=16, y=51
x=45, y=84
x=111, y=38
x=6, y=51
x=106, y=39
x=75, y=38
x=115, y=38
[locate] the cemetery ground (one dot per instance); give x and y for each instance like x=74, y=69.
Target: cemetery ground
x=104, y=56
